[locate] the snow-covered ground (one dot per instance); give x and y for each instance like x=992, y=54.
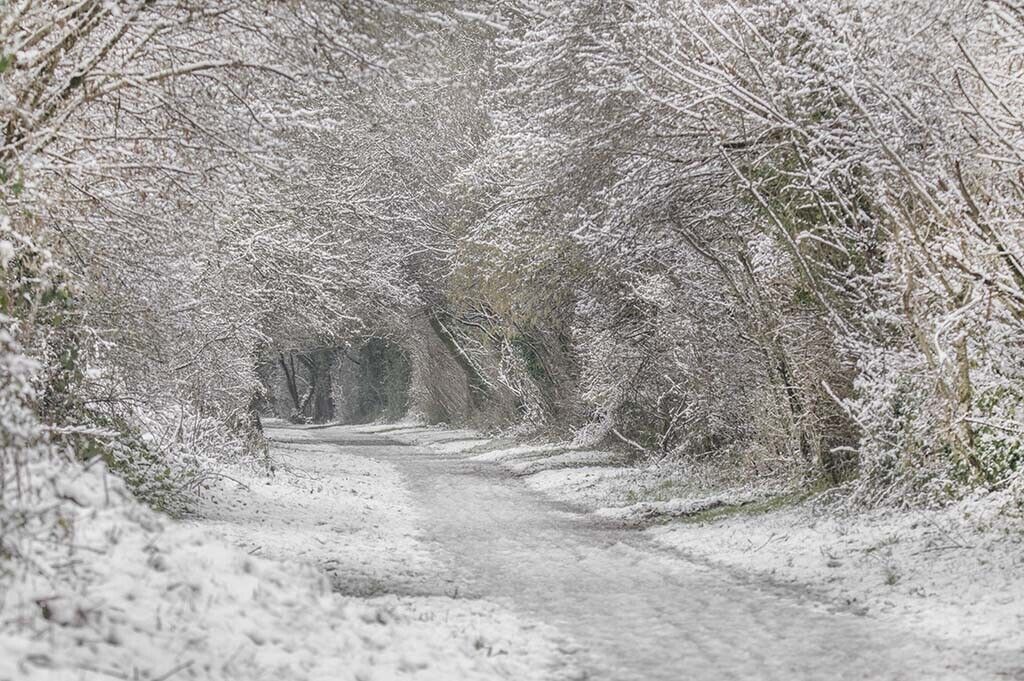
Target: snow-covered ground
x=954, y=575
x=360, y=559
x=249, y=588
x=347, y=515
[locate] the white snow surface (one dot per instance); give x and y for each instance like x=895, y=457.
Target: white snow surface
x=240, y=592
x=649, y=510
x=320, y=570
x=955, y=574
x=348, y=515
x=948, y=573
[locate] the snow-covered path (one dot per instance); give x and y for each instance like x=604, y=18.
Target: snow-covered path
x=634, y=610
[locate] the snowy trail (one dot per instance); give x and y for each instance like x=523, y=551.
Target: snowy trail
x=637, y=612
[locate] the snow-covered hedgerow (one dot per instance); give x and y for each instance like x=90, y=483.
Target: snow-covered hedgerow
x=787, y=233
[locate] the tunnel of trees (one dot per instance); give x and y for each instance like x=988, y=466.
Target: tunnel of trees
x=757, y=245
x=363, y=381
x=782, y=238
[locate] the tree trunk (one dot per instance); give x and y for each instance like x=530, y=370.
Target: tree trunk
x=318, y=404
x=289, y=378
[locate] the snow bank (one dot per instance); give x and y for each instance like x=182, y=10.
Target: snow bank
x=956, y=573
x=348, y=515
x=519, y=453
x=567, y=459
x=673, y=508
x=132, y=594
x=588, y=487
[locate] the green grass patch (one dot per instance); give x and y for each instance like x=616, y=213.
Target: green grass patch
x=770, y=504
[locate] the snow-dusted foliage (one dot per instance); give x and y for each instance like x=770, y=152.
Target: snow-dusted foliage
x=146, y=262
x=779, y=237
x=790, y=230
x=782, y=233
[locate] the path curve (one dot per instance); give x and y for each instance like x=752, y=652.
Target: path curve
x=636, y=611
